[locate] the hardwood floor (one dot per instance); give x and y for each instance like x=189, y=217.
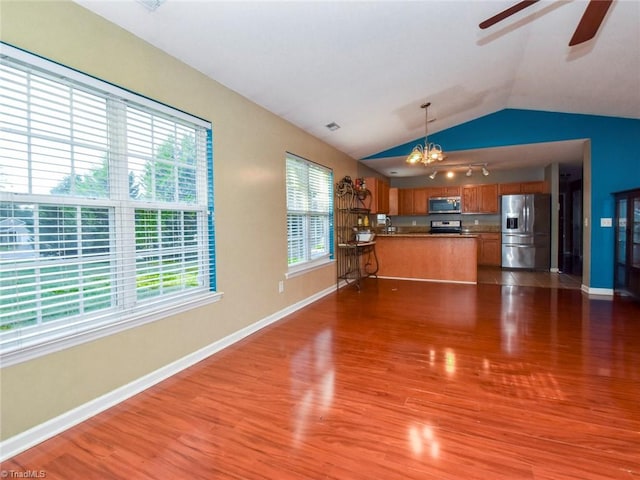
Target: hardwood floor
x=403, y=380
x=498, y=276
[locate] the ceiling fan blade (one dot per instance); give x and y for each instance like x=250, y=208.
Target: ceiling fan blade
x=590, y=21
x=507, y=13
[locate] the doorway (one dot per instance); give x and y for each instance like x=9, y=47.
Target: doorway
x=570, y=248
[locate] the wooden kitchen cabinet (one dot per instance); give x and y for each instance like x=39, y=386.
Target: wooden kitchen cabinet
x=470, y=199
x=451, y=191
x=489, y=249
x=522, y=187
x=447, y=191
x=509, y=188
x=421, y=200
x=480, y=198
x=379, y=194
x=533, y=187
x=405, y=201
x=393, y=201
x=435, y=192
x=488, y=198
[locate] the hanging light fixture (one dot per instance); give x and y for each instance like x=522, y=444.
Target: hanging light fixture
x=470, y=171
x=485, y=172
x=429, y=152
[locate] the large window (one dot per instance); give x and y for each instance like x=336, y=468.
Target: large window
x=309, y=213
x=105, y=211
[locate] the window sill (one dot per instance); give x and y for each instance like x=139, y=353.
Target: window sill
x=112, y=326
x=308, y=267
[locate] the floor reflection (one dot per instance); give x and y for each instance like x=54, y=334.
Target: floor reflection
x=498, y=276
x=422, y=440
x=312, y=382
x=512, y=323
x=448, y=360
x=520, y=380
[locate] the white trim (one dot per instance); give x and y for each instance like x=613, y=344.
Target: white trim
x=435, y=280
x=95, y=331
x=307, y=267
x=555, y=270
x=54, y=68
x=29, y=438
x=605, y=292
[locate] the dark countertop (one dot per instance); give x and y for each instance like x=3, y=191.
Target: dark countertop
x=421, y=230
x=429, y=235
x=481, y=228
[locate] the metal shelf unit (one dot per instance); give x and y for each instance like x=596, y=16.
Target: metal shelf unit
x=355, y=260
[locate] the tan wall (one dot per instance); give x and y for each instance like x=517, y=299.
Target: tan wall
x=249, y=152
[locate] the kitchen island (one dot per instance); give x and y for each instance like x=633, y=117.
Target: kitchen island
x=430, y=257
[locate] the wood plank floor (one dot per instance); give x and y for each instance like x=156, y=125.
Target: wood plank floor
x=499, y=276
x=402, y=380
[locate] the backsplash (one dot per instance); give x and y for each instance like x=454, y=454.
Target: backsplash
x=484, y=222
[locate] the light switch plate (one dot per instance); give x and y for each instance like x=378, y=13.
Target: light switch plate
x=606, y=222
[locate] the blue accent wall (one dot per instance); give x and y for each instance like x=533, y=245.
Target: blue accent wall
x=615, y=160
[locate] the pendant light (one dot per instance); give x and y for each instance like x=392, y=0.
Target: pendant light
x=429, y=152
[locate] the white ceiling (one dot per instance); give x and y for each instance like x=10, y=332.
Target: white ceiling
x=368, y=66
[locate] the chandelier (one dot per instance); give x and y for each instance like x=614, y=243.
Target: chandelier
x=429, y=152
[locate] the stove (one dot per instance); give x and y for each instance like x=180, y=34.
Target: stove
x=446, y=226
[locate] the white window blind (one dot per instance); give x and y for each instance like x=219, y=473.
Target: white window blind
x=106, y=208
x=309, y=211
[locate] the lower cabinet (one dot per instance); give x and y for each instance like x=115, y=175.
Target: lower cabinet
x=489, y=249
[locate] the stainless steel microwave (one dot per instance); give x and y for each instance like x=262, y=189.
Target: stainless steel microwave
x=444, y=205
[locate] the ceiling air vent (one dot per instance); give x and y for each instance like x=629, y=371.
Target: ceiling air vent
x=151, y=5
x=332, y=126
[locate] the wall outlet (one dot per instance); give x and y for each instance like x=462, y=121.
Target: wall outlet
x=281, y=286
x=475, y=222
x=606, y=222
x=413, y=223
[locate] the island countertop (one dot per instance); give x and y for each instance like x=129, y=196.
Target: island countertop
x=442, y=257
x=429, y=235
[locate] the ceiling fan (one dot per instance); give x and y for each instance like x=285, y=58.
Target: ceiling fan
x=586, y=30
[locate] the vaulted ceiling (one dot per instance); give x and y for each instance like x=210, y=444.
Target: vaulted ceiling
x=368, y=66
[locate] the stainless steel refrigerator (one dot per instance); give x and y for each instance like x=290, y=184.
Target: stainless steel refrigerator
x=526, y=231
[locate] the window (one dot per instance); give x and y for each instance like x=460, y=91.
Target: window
x=106, y=215
x=309, y=213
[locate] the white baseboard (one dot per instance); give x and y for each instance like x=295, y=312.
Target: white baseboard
x=433, y=280
x=604, y=292
x=29, y=438
x=554, y=270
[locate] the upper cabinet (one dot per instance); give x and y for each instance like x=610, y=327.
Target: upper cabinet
x=379, y=194
x=405, y=201
x=448, y=191
x=522, y=187
x=421, y=201
x=480, y=198
x=393, y=201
